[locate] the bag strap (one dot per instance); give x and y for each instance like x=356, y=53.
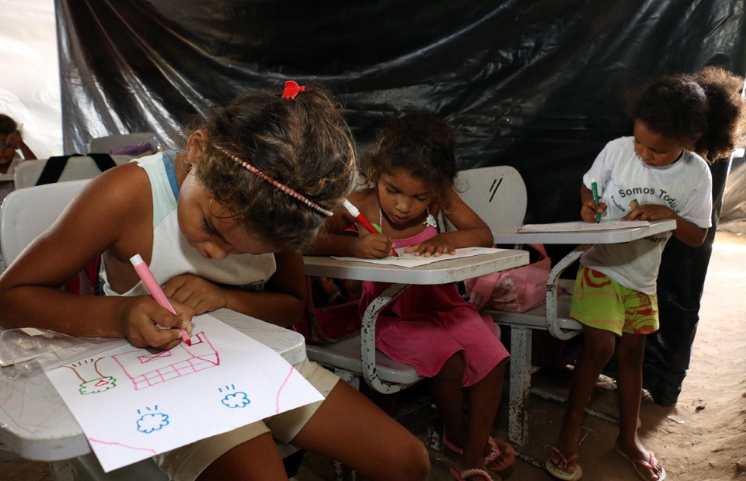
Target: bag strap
x=540, y=249
x=53, y=169
x=104, y=162
x=483, y=289
x=56, y=165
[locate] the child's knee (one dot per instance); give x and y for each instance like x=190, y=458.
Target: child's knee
x=599, y=351
x=630, y=354
x=412, y=463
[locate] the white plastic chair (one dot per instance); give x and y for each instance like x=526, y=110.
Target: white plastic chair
x=101, y=145
x=26, y=213
x=77, y=168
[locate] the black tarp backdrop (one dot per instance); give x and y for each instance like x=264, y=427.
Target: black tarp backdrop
x=536, y=84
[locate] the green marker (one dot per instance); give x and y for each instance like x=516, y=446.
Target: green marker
x=594, y=189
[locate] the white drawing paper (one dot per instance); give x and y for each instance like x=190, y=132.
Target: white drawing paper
x=408, y=259
x=135, y=403
x=581, y=226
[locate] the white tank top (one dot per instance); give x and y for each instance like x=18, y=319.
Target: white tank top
x=172, y=255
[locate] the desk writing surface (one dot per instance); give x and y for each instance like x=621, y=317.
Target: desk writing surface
x=36, y=424
x=510, y=235
x=443, y=272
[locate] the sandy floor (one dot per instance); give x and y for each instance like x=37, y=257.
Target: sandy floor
x=701, y=438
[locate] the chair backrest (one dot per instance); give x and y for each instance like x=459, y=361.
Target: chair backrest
x=496, y=194
x=28, y=212
x=101, y=145
x=77, y=168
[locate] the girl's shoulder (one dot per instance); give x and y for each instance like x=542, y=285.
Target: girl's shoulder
x=122, y=193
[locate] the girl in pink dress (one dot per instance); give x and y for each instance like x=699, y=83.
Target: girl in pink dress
x=412, y=169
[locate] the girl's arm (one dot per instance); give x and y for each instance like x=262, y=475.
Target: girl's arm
x=472, y=231
x=333, y=243
x=283, y=299
x=687, y=232
x=93, y=222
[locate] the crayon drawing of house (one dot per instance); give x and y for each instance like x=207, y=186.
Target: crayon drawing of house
x=147, y=369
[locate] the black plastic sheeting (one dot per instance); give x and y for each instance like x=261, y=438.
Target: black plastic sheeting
x=536, y=84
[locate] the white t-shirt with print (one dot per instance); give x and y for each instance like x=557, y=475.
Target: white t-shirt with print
x=622, y=179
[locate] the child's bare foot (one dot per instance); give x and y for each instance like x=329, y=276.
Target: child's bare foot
x=642, y=460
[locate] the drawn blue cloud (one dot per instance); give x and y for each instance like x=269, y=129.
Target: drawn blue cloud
x=152, y=422
x=236, y=400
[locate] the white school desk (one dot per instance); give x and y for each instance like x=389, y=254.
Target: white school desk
x=36, y=424
x=442, y=272
x=547, y=316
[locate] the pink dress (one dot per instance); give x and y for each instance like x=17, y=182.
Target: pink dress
x=427, y=325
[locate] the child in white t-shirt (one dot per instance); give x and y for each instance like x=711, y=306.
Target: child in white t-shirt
x=653, y=175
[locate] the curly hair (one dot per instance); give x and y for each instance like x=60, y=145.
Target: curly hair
x=7, y=124
x=420, y=145
x=303, y=143
x=683, y=106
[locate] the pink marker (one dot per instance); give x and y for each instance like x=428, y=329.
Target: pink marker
x=155, y=290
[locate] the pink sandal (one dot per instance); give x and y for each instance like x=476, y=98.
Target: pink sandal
x=489, y=460
x=650, y=464
x=470, y=473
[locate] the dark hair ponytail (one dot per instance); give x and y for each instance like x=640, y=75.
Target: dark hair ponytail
x=704, y=109
x=726, y=113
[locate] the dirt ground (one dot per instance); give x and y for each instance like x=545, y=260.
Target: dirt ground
x=701, y=438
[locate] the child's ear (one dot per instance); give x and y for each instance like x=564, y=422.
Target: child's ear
x=196, y=145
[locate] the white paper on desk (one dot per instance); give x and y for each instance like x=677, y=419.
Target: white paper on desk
x=581, y=226
x=408, y=259
x=133, y=403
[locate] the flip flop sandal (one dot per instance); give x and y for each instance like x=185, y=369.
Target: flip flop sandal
x=650, y=464
x=452, y=446
x=555, y=470
x=468, y=474
x=489, y=460
x=496, y=452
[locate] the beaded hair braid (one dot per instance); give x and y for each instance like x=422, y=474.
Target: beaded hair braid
x=284, y=188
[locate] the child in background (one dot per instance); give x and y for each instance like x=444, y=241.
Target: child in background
x=218, y=233
x=10, y=143
x=430, y=327
x=656, y=174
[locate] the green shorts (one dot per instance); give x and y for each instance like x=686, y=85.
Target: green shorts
x=600, y=302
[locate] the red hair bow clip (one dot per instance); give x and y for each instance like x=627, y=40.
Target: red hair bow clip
x=292, y=89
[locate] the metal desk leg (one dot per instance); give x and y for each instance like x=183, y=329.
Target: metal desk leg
x=368, y=338
x=552, y=283
x=520, y=384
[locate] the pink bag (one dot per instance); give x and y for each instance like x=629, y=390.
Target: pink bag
x=515, y=290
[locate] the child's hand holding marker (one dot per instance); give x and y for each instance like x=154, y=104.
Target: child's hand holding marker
x=155, y=290
x=378, y=246
x=593, y=208
x=372, y=246
x=146, y=324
